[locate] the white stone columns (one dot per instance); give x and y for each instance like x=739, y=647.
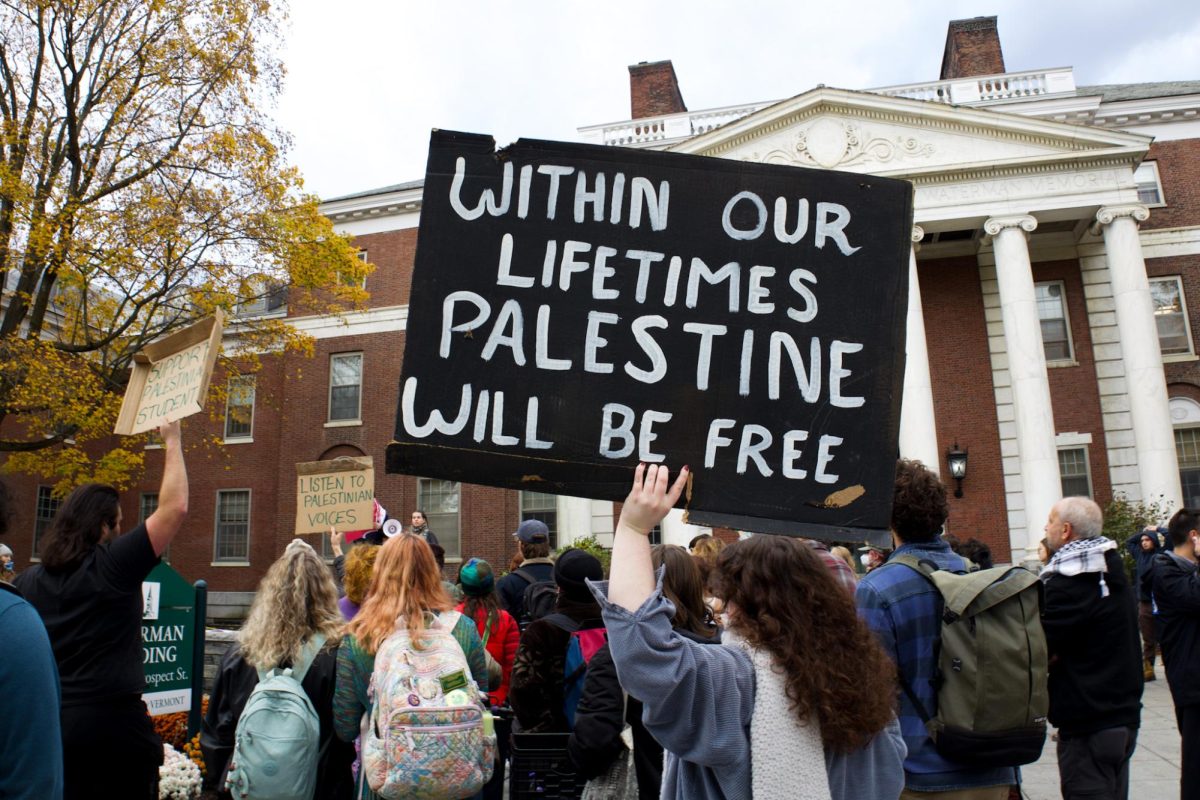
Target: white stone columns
x=1034, y=415
x=1148, y=403
x=918, y=434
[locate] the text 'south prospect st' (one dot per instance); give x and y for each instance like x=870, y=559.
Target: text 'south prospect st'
x=577, y=309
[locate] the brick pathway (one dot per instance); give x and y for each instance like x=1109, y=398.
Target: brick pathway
x=1154, y=771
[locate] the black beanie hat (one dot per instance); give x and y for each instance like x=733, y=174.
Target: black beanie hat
x=570, y=570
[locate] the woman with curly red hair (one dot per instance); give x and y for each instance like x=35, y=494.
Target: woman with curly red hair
x=797, y=701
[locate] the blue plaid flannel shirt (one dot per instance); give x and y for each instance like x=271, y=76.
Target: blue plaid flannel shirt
x=904, y=610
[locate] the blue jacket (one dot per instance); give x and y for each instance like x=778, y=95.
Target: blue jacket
x=30, y=736
x=905, y=611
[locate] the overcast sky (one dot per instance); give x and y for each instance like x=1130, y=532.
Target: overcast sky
x=368, y=79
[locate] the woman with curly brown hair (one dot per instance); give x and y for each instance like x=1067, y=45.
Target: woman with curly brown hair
x=798, y=700
x=360, y=566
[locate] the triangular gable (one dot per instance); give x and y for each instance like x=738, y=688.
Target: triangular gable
x=881, y=135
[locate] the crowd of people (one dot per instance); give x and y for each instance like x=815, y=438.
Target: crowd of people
x=764, y=668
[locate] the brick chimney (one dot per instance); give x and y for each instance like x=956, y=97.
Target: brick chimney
x=654, y=90
x=972, y=48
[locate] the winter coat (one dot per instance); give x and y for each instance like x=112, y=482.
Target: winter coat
x=231, y=689
x=1142, y=560
x=536, y=692
x=502, y=645
x=1176, y=586
x=1095, y=651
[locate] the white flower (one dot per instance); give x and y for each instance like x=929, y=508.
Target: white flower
x=178, y=777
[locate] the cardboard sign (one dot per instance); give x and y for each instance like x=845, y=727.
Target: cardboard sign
x=168, y=636
x=170, y=377
x=576, y=309
x=338, y=493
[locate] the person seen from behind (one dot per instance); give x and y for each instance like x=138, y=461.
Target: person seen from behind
x=406, y=590
x=88, y=591
x=1175, y=589
x=294, y=622
x=30, y=731
x=360, y=565
x=1089, y=614
x=533, y=544
x=797, y=679
x=538, y=693
x=498, y=631
x=1142, y=547
x=904, y=609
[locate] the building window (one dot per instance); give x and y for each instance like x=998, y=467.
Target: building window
x=239, y=408
x=656, y=535
x=232, y=539
x=1073, y=470
x=439, y=500
x=1149, y=186
x=1052, y=311
x=353, y=280
x=47, y=507
x=1170, y=315
x=262, y=297
x=345, y=387
x=536, y=505
x=1187, y=450
x=147, y=505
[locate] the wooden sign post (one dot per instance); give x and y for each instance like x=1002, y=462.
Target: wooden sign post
x=576, y=309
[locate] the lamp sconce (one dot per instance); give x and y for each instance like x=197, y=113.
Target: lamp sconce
x=957, y=459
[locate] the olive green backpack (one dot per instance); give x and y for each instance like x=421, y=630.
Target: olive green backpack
x=991, y=666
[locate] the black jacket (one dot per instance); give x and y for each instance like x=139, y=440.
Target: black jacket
x=232, y=687
x=596, y=740
x=512, y=586
x=1176, y=584
x=536, y=691
x=1142, y=560
x=1095, y=653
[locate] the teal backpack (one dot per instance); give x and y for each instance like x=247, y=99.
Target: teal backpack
x=278, y=736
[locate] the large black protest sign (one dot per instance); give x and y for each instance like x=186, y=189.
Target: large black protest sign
x=576, y=309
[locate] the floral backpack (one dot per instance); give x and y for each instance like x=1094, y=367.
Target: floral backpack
x=425, y=737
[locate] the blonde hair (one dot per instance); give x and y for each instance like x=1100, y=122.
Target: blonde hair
x=407, y=583
x=360, y=566
x=709, y=548
x=296, y=599
x=844, y=555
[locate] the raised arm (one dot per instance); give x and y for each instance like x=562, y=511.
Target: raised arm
x=652, y=496
x=166, y=520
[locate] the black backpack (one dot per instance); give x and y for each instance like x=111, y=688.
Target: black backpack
x=538, y=599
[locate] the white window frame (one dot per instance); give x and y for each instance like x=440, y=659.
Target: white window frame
x=247, y=437
x=536, y=511
x=362, y=256
x=1070, y=359
x=1147, y=174
x=1087, y=466
x=357, y=419
x=1187, y=323
x=228, y=561
x=446, y=538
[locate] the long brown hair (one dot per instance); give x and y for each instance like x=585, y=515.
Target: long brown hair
x=785, y=601
x=684, y=587
x=406, y=583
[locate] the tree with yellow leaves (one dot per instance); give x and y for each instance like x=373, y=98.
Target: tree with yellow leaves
x=142, y=185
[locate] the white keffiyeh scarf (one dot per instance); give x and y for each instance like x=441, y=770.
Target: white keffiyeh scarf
x=1079, y=557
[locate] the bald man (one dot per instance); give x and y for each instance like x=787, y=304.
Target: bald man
x=1090, y=618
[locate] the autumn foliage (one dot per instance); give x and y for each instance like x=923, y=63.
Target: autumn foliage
x=142, y=185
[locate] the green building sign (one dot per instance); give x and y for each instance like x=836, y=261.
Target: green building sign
x=168, y=634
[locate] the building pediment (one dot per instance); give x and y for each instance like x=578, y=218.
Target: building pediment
x=870, y=133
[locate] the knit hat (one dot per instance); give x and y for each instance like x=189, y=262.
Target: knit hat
x=570, y=570
x=533, y=531
x=476, y=578
x=5, y=550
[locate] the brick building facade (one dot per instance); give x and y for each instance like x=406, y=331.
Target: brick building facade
x=1056, y=262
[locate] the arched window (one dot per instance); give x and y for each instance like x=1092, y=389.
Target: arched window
x=1185, y=417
